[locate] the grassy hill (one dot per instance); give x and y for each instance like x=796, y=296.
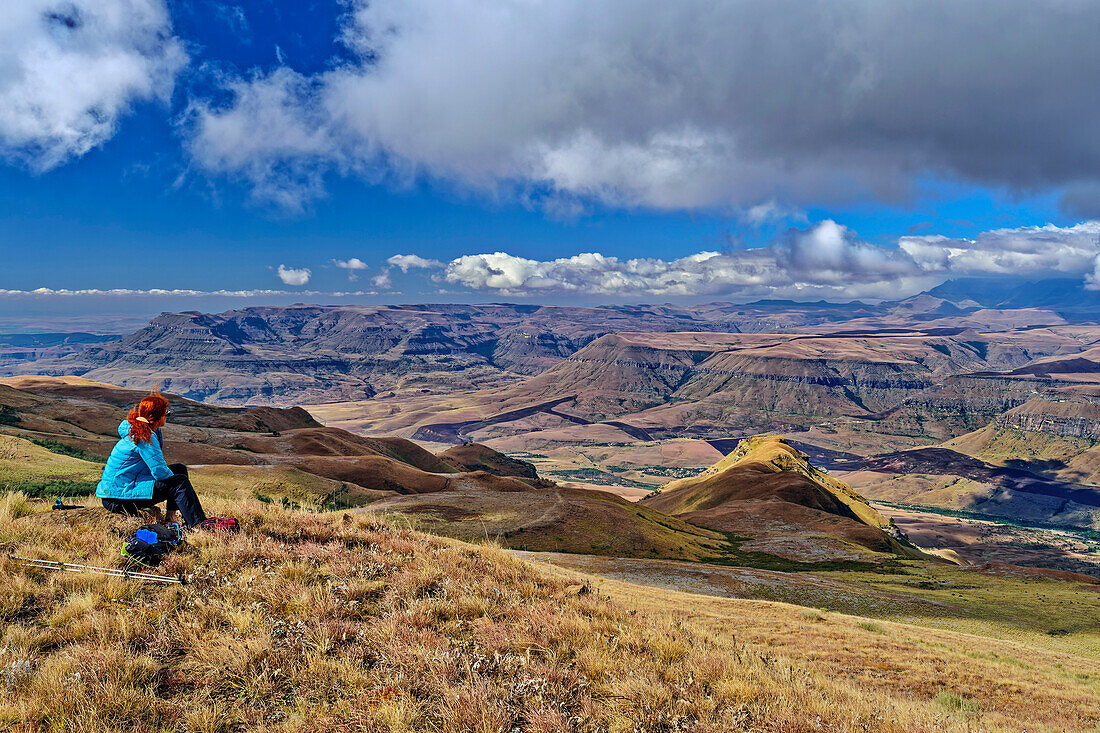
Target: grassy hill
x=558, y=519
x=323, y=617
x=768, y=489
x=478, y=457
x=351, y=621
x=35, y=469
x=1066, y=457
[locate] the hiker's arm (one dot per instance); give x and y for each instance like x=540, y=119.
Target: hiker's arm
x=151, y=453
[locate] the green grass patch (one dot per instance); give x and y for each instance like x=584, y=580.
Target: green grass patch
x=956, y=702
x=50, y=489
x=872, y=627
x=9, y=417
x=65, y=450
x=597, y=475
x=733, y=555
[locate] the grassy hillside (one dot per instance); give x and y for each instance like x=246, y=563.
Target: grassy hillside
x=348, y=621
x=976, y=679
x=768, y=489
x=558, y=519
x=1066, y=457
x=34, y=469
x=477, y=457
x=773, y=454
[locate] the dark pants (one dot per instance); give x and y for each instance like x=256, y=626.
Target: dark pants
x=177, y=491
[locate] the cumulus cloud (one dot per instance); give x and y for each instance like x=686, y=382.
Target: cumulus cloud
x=1092, y=280
x=825, y=260
x=294, y=276
x=1021, y=250
x=70, y=69
x=382, y=279
x=831, y=253
x=273, y=136
x=407, y=262
x=351, y=266
x=680, y=105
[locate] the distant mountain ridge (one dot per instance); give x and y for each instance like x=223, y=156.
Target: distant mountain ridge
x=284, y=355
x=1069, y=297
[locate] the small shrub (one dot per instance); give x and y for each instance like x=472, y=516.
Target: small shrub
x=13, y=505
x=872, y=627
x=957, y=702
x=64, y=450
x=8, y=416
x=49, y=489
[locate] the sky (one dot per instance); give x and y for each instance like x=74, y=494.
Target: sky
x=203, y=155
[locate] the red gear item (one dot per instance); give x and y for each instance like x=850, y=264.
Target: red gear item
x=221, y=524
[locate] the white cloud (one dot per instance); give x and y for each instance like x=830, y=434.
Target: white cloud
x=407, y=262
x=351, y=266
x=70, y=70
x=771, y=212
x=293, y=276
x=1092, y=279
x=830, y=253
x=677, y=105
x=702, y=274
x=273, y=136
x=1021, y=250
x=382, y=279
x=826, y=260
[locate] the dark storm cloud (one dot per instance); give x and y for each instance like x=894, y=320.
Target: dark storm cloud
x=685, y=104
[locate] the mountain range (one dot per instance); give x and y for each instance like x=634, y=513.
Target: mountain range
x=309, y=353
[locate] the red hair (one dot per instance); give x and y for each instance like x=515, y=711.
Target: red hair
x=152, y=408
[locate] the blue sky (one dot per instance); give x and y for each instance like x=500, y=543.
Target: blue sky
x=260, y=134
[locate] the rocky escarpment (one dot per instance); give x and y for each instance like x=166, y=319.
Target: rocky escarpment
x=957, y=406
x=870, y=357
x=726, y=377
x=965, y=403
x=1070, y=419
x=307, y=353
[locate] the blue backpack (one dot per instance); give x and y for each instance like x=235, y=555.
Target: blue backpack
x=150, y=543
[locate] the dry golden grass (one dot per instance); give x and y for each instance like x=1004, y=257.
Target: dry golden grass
x=985, y=683
x=23, y=461
x=347, y=621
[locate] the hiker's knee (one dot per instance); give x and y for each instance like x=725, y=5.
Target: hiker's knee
x=178, y=468
x=117, y=506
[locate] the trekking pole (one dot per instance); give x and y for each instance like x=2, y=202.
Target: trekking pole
x=32, y=562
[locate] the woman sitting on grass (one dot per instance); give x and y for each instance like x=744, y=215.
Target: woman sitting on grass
x=136, y=478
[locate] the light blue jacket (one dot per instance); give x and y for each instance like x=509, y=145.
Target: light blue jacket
x=132, y=470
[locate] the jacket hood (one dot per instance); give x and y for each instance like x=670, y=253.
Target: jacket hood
x=124, y=428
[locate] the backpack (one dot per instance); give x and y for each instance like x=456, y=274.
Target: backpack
x=220, y=524
x=150, y=543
